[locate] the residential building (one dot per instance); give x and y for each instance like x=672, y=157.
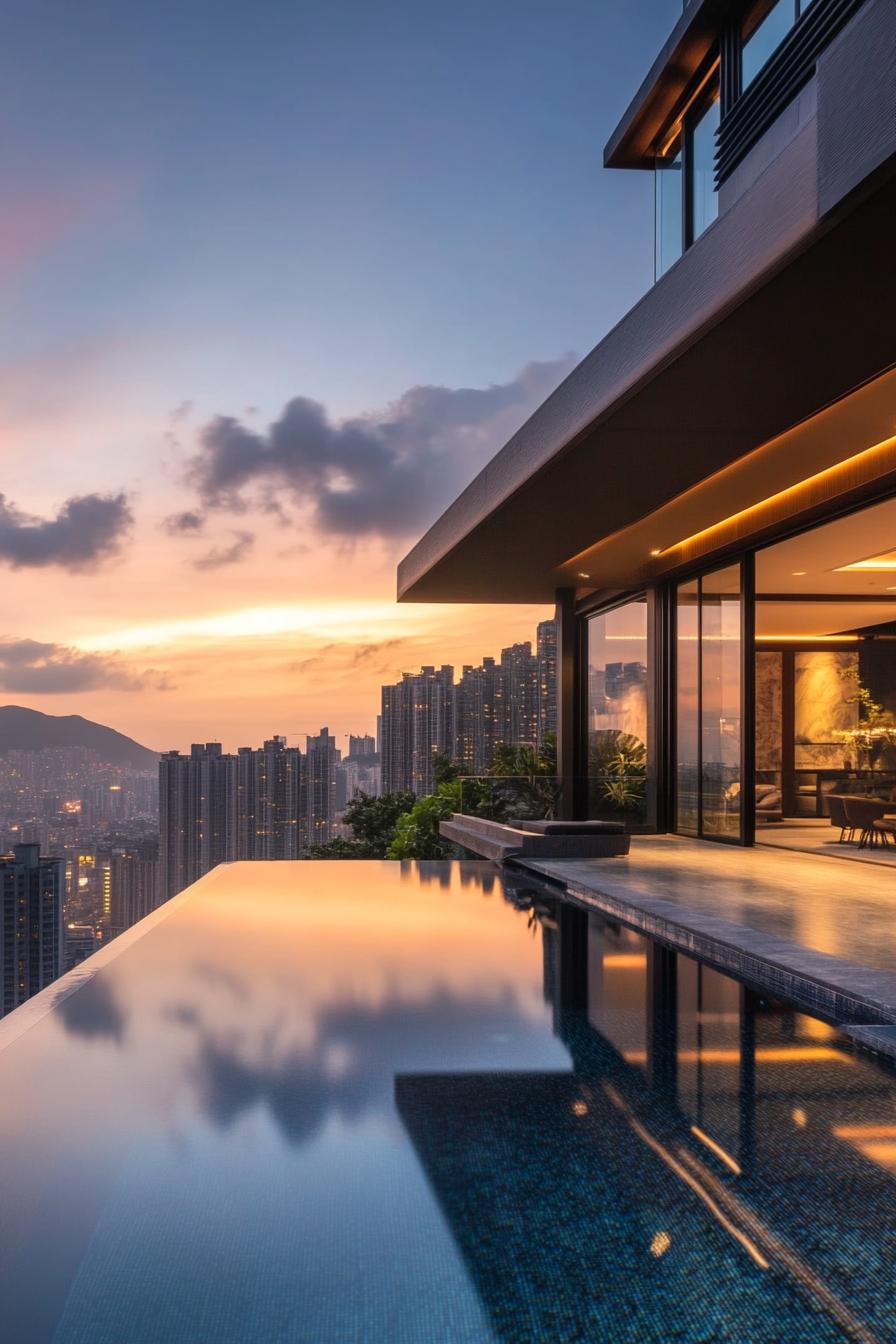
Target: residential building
x=32, y=892
x=547, y=682
x=244, y=801
x=196, y=815
x=135, y=890
x=362, y=745
x=509, y=702
x=79, y=942
x=715, y=483
x=216, y=807
x=319, y=789
x=519, y=669
x=417, y=724
x=481, y=721
x=278, y=783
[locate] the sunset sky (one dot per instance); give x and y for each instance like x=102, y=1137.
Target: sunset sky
x=278, y=278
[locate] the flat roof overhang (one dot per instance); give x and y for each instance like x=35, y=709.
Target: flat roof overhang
x=663, y=94
x=648, y=423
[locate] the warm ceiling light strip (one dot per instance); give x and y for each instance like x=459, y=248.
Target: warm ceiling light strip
x=877, y=563
x=856, y=466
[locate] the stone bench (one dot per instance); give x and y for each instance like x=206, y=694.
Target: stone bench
x=502, y=841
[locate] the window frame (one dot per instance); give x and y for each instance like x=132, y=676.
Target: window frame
x=691, y=120
x=707, y=90
x=597, y=604
x=799, y=8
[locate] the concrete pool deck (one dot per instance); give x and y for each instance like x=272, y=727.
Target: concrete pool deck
x=815, y=930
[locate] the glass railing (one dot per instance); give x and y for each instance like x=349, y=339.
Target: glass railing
x=554, y=797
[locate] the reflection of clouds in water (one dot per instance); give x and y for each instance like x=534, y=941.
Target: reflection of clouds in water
x=213, y=974
x=348, y=1070
x=182, y=1014
x=93, y=1011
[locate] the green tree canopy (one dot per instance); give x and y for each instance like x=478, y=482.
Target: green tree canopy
x=373, y=820
x=339, y=848
x=417, y=832
x=526, y=760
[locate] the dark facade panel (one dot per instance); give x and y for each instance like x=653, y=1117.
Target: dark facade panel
x=858, y=72
x=779, y=309
x=745, y=245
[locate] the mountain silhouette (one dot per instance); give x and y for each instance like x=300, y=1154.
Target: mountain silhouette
x=29, y=730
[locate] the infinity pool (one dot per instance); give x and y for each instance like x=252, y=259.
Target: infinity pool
x=395, y=1103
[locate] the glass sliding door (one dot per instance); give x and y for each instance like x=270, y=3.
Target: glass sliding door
x=709, y=699
x=720, y=709
x=619, y=714
x=687, y=660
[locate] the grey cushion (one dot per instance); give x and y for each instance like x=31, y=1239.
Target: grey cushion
x=570, y=827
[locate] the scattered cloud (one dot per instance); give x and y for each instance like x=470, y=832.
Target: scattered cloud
x=186, y=524
x=181, y=412
x=219, y=556
x=305, y=664
x=30, y=667
x=365, y=653
x=385, y=473
x=87, y=530
x=343, y=659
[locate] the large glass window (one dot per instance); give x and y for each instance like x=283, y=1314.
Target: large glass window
x=763, y=37
x=669, y=212
x=619, y=659
x=688, y=689
x=764, y=30
x=704, y=199
x=685, y=176
x=708, y=708
x=720, y=710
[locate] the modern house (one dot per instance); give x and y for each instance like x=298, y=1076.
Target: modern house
x=710, y=497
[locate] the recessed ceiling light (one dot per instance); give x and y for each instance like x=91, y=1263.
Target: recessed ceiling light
x=891, y=588
x=657, y=550
x=798, y=573
x=582, y=575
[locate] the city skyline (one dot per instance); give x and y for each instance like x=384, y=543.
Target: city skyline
x=251, y=355
x=121, y=837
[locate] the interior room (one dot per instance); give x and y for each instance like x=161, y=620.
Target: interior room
x=825, y=679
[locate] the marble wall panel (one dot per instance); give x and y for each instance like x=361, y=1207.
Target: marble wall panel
x=768, y=712
x=823, y=690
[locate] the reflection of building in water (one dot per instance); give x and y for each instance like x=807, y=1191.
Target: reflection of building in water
x=699, y=1126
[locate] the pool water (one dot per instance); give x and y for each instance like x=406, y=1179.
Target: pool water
x=385, y=1103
